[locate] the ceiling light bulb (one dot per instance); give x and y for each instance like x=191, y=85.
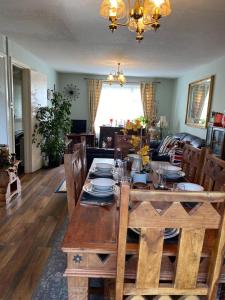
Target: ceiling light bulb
x=158, y=8
x=110, y=77
x=113, y=8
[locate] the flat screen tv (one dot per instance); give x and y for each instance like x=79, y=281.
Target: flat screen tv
x=78, y=126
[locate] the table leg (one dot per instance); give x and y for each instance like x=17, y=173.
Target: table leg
x=77, y=288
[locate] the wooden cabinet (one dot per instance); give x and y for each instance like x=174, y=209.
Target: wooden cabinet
x=215, y=140
x=76, y=137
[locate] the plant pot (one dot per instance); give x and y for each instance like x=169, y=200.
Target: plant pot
x=54, y=161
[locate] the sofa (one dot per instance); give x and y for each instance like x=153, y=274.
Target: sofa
x=193, y=140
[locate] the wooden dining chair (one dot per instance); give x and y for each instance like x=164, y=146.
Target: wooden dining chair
x=74, y=164
x=153, y=273
x=213, y=173
x=192, y=162
x=122, y=144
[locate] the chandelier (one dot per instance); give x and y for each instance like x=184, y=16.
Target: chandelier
x=118, y=77
x=140, y=16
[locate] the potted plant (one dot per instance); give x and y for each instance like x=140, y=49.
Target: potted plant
x=53, y=123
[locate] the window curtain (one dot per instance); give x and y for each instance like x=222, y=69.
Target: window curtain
x=148, y=101
x=94, y=92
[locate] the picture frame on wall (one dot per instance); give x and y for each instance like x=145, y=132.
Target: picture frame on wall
x=199, y=102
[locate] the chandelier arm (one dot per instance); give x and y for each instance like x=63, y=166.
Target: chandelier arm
x=123, y=24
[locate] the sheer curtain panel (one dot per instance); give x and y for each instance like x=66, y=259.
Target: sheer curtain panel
x=94, y=92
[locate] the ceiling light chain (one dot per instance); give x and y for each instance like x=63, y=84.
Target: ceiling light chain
x=117, y=77
x=143, y=15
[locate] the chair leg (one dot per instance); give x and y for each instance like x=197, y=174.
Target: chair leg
x=109, y=289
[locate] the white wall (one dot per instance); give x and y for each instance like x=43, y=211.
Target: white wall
x=26, y=59
x=164, y=93
x=216, y=68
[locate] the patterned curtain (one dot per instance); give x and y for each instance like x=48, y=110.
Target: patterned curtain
x=148, y=101
x=94, y=92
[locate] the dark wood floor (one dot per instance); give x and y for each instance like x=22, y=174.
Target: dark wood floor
x=26, y=231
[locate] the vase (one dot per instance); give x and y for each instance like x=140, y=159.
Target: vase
x=137, y=163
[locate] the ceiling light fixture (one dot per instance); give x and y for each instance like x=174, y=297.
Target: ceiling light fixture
x=142, y=15
x=118, y=77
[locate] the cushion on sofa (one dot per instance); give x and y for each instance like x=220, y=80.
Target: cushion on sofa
x=167, y=144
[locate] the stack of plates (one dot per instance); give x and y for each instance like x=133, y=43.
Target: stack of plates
x=101, y=187
x=171, y=172
x=103, y=169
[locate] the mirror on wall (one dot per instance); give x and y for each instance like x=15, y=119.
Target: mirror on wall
x=199, y=102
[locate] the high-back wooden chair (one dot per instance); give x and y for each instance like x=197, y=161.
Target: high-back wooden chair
x=152, y=260
x=192, y=162
x=74, y=164
x=213, y=173
x=122, y=144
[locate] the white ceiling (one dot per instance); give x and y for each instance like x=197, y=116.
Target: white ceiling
x=72, y=37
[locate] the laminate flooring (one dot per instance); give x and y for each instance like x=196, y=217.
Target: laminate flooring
x=27, y=228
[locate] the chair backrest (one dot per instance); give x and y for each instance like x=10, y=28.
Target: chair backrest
x=75, y=173
x=122, y=144
x=192, y=162
x=152, y=260
x=213, y=173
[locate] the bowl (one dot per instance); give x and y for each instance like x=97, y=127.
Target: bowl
x=171, y=169
x=103, y=166
x=103, y=184
x=190, y=187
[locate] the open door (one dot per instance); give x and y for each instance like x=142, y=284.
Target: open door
x=4, y=108
x=35, y=91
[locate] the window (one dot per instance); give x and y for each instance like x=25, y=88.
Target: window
x=118, y=103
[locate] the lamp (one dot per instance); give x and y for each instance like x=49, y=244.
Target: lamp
x=117, y=77
x=142, y=15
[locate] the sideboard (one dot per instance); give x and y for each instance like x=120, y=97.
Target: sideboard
x=108, y=132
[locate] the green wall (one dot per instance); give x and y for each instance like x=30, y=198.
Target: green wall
x=164, y=93
x=216, y=68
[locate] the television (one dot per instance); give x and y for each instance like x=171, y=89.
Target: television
x=78, y=126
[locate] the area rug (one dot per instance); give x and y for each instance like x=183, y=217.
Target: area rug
x=61, y=187
x=52, y=285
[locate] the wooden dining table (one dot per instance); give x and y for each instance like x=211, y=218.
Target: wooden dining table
x=90, y=243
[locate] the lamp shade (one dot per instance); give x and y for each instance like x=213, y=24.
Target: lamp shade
x=113, y=8
x=160, y=7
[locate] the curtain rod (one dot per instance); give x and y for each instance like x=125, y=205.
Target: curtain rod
x=135, y=82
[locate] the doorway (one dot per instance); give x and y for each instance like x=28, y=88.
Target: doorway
x=18, y=115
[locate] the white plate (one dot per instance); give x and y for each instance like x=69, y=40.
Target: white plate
x=99, y=173
x=177, y=175
x=102, y=184
x=171, y=169
x=88, y=189
x=190, y=187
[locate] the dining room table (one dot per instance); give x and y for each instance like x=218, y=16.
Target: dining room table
x=90, y=242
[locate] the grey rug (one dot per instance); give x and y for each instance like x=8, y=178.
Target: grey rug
x=52, y=285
